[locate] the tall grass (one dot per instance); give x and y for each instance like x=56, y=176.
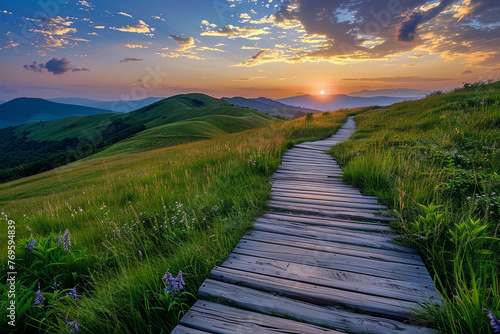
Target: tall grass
x=436, y=163
x=180, y=208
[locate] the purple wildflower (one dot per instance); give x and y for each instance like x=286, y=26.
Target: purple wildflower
x=67, y=242
x=59, y=240
x=495, y=322
x=173, y=284
x=72, y=293
x=39, y=297
x=75, y=326
x=31, y=245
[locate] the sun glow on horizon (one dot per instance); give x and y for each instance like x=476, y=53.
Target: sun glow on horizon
x=322, y=92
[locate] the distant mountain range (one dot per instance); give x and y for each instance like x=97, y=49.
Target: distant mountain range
x=397, y=92
x=338, y=101
x=116, y=106
x=26, y=110
x=270, y=107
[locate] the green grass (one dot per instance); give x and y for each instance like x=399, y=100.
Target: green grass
x=137, y=215
x=436, y=163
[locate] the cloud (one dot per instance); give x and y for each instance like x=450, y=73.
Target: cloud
x=53, y=26
x=56, y=31
x=140, y=28
x=354, y=31
x=407, y=31
x=248, y=79
x=466, y=72
x=398, y=79
x=136, y=46
x=262, y=57
x=84, y=3
x=233, y=32
x=124, y=14
x=126, y=60
x=183, y=42
x=35, y=67
x=193, y=56
x=54, y=66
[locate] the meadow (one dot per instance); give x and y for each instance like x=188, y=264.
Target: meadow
x=129, y=219
x=436, y=163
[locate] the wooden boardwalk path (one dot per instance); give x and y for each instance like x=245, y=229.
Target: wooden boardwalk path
x=323, y=261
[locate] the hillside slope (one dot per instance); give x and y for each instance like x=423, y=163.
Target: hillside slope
x=27, y=110
x=115, y=106
x=270, y=107
x=35, y=147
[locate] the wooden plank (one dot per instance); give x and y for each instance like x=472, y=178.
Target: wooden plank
x=318, y=295
x=337, y=261
x=186, y=330
x=340, y=319
x=308, y=205
x=304, y=184
x=339, y=223
x=326, y=246
x=333, y=278
x=330, y=192
x=327, y=212
x=333, y=203
x=307, y=173
x=333, y=198
x=220, y=319
x=312, y=233
x=325, y=229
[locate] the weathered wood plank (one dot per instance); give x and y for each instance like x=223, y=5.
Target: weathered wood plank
x=327, y=212
x=329, y=203
x=220, y=319
x=369, y=267
x=186, y=330
x=278, y=187
x=328, y=246
x=339, y=223
x=318, y=295
x=313, y=233
x=334, y=278
x=329, y=197
x=340, y=319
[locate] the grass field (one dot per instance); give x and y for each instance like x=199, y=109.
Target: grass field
x=132, y=217
x=436, y=163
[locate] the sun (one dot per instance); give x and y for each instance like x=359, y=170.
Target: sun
x=322, y=92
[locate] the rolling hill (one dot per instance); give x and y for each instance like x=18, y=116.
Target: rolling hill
x=116, y=106
x=34, y=147
x=270, y=107
x=337, y=101
x=27, y=110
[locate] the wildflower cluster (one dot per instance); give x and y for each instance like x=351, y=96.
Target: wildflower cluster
x=495, y=322
x=39, y=297
x=67, y=241
x=173, y=284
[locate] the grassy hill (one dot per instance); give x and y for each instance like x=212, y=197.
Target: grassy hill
x=270, y=107
x=27, y=110
x=37, y=147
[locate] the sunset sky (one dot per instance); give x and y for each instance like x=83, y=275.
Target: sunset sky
x=132, y=49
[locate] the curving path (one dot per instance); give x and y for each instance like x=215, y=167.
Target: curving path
x=322, y=261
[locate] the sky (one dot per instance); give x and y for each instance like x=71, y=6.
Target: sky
x=109, y=50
